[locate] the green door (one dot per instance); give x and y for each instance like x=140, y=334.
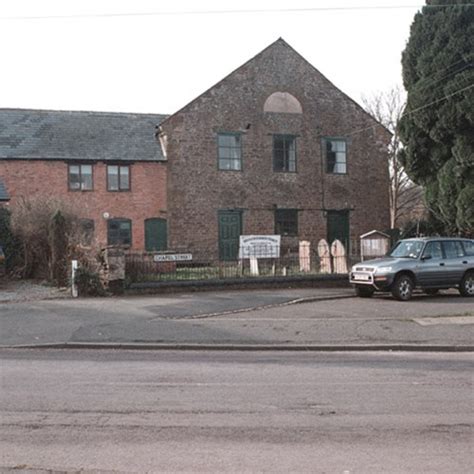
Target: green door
x=230, y=228
x=156, y=234
x=338, y=227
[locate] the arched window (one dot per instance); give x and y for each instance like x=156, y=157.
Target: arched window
x=282, y=102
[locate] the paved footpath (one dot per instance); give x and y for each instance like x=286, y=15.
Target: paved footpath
x=280, y=318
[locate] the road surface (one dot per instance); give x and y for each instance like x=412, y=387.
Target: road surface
x=135, y=411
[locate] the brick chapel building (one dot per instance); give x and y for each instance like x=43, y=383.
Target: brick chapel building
x=273, y=148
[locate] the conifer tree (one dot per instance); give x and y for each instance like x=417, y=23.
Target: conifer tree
x=437, y=126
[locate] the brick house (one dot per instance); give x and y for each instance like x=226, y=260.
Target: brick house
x=273, y=148
x=107, y=166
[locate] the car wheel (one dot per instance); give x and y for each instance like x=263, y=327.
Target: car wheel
x=364, y=292
x=431, y=291
x=467, y=285
x=403, y=288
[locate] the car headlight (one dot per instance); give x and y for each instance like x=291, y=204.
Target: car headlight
x=383, y=270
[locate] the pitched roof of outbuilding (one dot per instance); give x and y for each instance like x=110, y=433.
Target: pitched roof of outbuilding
x=3, y=191
x=64, y=135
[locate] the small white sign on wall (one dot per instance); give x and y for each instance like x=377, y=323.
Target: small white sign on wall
x=177, y=257
x=259, y=246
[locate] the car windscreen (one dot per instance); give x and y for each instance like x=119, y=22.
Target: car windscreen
x=407, y=249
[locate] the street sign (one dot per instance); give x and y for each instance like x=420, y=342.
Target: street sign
x=176, y=257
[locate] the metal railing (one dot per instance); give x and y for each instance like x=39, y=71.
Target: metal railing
x=143, y=267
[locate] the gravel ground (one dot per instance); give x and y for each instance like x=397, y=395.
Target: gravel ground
x=29, y=290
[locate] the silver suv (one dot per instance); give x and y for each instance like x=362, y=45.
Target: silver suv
x=430, y=263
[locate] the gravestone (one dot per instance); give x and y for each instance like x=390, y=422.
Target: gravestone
x=324, y=256
x=339, y=259
x=305, y=256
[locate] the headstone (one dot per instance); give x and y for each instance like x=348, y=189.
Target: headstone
x=324, y=256
x=305, y=256
x=339, y=259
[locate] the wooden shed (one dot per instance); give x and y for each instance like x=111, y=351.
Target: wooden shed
x=374, y=244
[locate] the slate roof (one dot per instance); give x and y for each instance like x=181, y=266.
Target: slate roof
x=3, y=192
x=68, y=135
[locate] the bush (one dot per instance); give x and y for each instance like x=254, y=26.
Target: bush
x=11, y=245
x=47, y=231
x=88, y=283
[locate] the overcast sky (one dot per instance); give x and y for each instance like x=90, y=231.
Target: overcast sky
x=155, y=56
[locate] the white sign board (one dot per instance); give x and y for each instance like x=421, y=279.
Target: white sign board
x=176, y=257
x=259, y=246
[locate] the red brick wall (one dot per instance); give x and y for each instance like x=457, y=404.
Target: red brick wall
x=41, y=179
x=197, y=189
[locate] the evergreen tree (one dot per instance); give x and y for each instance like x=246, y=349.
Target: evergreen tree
x=437, y=126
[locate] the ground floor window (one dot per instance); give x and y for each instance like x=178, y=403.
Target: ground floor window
x=119, y=232
x=286, y=222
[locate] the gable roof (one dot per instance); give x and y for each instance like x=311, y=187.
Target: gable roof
x=279, y=43
x=3, y=191
x=67, y=135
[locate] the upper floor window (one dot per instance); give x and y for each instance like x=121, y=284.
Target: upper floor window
x=284, y=153
x=119, y=232
x=336, y=159
x=230, y=151
x=80, y=177
x=118, y=178
x=286, y=222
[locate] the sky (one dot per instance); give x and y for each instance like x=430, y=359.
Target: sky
x=154, y=56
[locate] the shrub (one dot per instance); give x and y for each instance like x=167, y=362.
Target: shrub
x=46, y=230
x=88, y=283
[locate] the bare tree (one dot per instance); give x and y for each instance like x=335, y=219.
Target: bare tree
x=406, y=198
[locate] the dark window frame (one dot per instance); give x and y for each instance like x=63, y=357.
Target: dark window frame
x=118, y=241
x=325, y=142
x=282, y=221
x=80, y=165
x=220, y=159
x=120, y=189
x=287, y=160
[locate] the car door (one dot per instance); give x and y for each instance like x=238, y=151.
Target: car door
x=432, y=268
x=455, y=256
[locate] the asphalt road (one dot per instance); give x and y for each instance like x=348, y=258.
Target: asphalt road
x=125, y=411
x=329, y=317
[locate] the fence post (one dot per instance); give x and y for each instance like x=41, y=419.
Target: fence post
x=74, y=267
x=253, y=266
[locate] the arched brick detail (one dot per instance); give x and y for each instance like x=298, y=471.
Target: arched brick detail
x=282, y=102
